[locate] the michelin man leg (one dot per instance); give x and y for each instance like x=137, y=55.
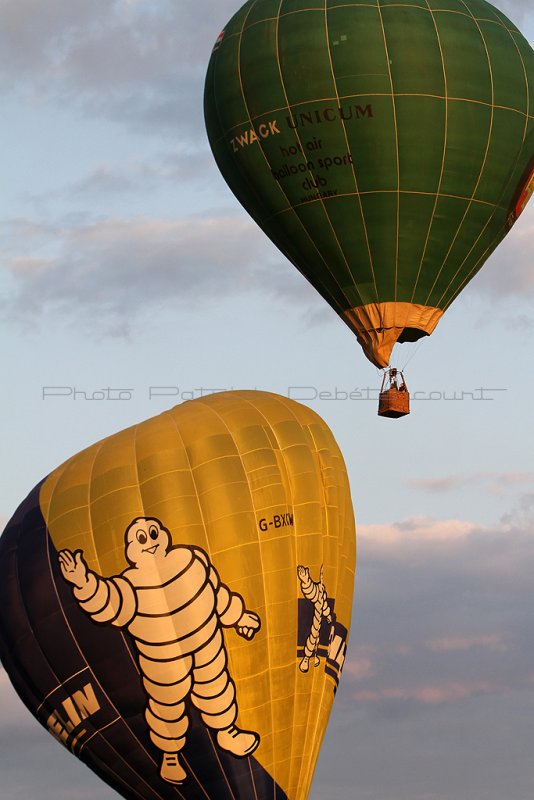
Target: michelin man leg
x=213, y=694
x=167, y=719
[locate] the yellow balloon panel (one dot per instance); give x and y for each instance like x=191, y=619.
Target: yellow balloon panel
x=258, y=483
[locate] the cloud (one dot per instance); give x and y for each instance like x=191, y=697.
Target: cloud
x=455, y=549
x=28, y=49
x=415, y=530
x=496, y=483
x=114, y=271
x=508, y=275
x=139, y=176
x=455, y=644
x=442, y=614
x=516, y=10
x=358, y=668
x=138, y=63
x=428, y=694
x=444, y=484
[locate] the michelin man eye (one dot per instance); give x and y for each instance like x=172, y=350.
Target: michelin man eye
x=154, y=533
x=141, y=537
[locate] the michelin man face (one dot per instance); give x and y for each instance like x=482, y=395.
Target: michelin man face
x=146, y=541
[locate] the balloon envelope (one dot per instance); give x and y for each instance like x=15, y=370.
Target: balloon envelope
x=175, y=600
x=385, y=148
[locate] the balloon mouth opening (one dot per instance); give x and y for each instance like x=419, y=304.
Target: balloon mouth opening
x=379, y=326
x=412, y=335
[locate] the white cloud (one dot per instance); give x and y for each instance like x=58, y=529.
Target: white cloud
x=507, y=277
x=455, y=644
x=415, y=531
x=358, y=668
x=139, y=176
x=118, y=270
x=427, y=694
x=140, y=63
x=516, y=10
x=494, y=482
x=442, y=613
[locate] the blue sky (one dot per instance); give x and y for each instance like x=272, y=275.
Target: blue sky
x=127, y=266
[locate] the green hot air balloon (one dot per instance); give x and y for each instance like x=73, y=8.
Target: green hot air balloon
x=386, y=149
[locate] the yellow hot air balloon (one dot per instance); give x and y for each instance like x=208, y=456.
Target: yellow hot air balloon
x=175, y=600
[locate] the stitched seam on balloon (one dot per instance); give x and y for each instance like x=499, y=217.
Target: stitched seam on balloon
x=323, y=488
x=129, y=787
x=396, y=147
x=197, y=494
x=140, y=491
x=105, y=494
x=255, y=510
x=431, y=222
x=50, y=483
x=478, y=180
x=499, y=234
x=287, y=407
x=239, y=125
x=391, y=191
x=339, y=306
x=320, y=199
x=53, y=519
x=209, y=553
x=489, y=249
x=210, y=732
x=252, y=779
x=527, y=88
x=98, y=450
x=171, y=417
x=500, y=23
x=494, y=21
x=356, y=187
x=314, y=738
x=39, y=707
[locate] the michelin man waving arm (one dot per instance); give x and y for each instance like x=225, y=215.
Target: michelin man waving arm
x=173, y=603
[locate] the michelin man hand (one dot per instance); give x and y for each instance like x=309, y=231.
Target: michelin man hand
x=248, y=625
x=73, y=567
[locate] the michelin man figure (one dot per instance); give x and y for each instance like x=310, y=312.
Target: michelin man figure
x=172, y=602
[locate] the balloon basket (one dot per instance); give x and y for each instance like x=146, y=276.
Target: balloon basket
x=394, y=397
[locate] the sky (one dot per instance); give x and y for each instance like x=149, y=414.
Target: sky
x=131, y=279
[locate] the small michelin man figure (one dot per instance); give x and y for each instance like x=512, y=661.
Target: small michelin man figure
x=172, y=602
x=316, y=593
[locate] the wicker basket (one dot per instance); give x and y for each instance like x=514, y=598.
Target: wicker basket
x=394, y=403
